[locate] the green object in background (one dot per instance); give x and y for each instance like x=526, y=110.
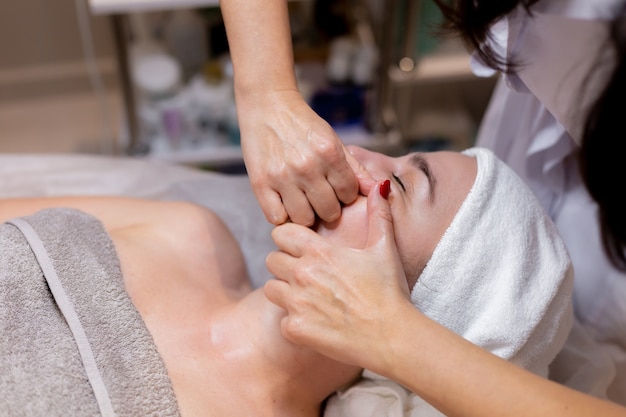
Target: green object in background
x=417, y=20
x=429, y=17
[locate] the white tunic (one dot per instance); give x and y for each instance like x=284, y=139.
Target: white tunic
x=530, y=124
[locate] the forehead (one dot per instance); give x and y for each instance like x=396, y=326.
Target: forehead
x=454, y=161
x=455, y=171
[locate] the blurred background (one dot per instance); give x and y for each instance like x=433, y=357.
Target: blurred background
x=47, y=103
x=152, y=78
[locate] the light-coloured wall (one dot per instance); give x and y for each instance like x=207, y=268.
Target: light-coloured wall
x=47, y=102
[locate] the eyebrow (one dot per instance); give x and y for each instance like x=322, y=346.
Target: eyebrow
x=422, y=164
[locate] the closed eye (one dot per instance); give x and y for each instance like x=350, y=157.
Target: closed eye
x=422, y=164
x=397, y=180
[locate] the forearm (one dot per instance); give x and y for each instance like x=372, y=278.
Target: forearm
x=462, y=379
x=259, y=39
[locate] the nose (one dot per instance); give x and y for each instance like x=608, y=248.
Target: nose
x=373, y=162
x=356, y=151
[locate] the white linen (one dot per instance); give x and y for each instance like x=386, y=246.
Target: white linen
x=230, y=196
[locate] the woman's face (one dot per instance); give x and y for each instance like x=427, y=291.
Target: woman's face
x=427, y=190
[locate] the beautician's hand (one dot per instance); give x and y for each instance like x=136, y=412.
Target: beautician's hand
x=340, y=301
x=296, y=163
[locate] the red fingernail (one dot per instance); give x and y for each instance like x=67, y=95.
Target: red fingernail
x=385, y=188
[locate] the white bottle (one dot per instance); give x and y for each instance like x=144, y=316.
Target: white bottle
x=158, y=78
x=186, y=37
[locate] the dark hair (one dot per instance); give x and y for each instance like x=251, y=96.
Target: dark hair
x=471, y=19
x=600, y=157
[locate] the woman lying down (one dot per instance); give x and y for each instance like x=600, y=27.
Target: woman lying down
x=119, y=306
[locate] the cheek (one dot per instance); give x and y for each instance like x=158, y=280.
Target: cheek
x=412, y=250
x=351, y=228
x=416, y=242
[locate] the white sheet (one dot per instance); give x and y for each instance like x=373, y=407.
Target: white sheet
x=229, y=195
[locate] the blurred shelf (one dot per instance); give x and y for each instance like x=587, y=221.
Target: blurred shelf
x=444, y=67
x=60, y=123
x=103, y=7
x=436, y=67
x=201, y=154
x=213, y=154
x=129, y=6
x=450, y=65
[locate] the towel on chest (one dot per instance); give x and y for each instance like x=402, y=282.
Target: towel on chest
x=42, y=367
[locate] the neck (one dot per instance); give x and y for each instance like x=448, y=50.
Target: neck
x=253, y=370
x=316, y=375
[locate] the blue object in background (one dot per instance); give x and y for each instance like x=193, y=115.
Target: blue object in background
x=340, y=105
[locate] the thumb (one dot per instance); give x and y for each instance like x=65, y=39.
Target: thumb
x=381, y=240
x=365, y=179
x=380, y=222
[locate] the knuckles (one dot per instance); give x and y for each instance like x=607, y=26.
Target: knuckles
x=302, y=276
x=291, y=328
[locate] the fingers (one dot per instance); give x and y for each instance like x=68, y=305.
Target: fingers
x=272, y=205
x=324, y=201
x=293, y=238
x=300, y=199
x=340, y=175
x=321, y=193
x=297, y=204
x=325, y=178
x=331, y=292
x=297, y=165
x=298, y=193
x=379, y=216
x=286, y=264
x=293, y=325
x=364, y=178
x=381, y=236
x=282, y=263
x=287, y=203
x=276, y=292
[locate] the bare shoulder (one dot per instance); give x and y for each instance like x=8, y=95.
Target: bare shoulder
x=173, y=243
x=174, y=247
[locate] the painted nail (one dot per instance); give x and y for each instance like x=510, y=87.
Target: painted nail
x=385, y=188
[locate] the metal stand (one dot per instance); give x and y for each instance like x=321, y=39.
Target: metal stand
x=120, y=32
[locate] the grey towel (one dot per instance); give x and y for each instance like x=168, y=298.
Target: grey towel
x=41, y=370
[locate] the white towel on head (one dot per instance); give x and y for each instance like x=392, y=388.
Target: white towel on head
x=500, y=277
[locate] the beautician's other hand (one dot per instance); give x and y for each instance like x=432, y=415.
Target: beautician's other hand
x=296, y=162
x=340, y=301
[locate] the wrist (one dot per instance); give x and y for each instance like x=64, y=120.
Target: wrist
x=266, y=98
x=397, y=341
x=255, y=86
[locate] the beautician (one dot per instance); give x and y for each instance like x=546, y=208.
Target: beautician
x=549, y=71
x=562, y=58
